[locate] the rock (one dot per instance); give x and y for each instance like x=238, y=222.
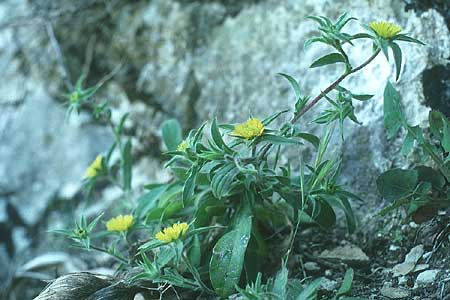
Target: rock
x=328, y=285
x=415, y=254
x=410, y=262
x=138, y=297
x=420, y=268
x=311, y=266
x=394, y=293
x=426, y=277
x=403, y=269
x=349, y=254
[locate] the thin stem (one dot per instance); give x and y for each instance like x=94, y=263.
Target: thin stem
x=266, y=149
x=333, y=86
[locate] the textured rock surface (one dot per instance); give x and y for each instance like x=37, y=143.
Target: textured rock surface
x=186, y=59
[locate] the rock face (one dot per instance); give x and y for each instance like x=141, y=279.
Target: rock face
x=186, y=59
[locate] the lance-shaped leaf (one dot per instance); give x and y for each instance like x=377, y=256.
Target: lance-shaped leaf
x=328, y=59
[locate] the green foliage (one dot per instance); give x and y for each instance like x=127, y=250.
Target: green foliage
x=423, y=190
x=205, y=230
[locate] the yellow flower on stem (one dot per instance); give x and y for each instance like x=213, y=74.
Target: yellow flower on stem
x=95, y=167
x=172, y=233
x=385, y=30
x=250, y=129
x=120, y=223
x=183, y=146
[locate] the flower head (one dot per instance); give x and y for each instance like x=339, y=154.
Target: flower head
x=172, y=233
x=183, y=146
x=385, y=30
x=251, y=128
x=120, y=223
x=95, y=167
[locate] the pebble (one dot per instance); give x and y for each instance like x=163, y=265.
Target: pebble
x=427, y=277
x=394, y=293
x=349, y=254
x=311, y=266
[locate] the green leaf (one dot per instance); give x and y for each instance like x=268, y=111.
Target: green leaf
x=149, y=200
x=446, y=135
x=293, y=83
x=222, y=180
x=435, y=119
x=227, y=258
x=195, y=253
x=328, y=59
x=405, y=38
x=408, y=143
x=280, y=283
x=314, y=140
x=272, y=117
x=397, y=183
x=189, y=187
x=310, y=291
x=362, y=97
x=217, y=137
x=383, y=44
x=172, y=135
x=393, y=116
x=347, y=283
x=122, y=124
x=397, y=58
x=126, y=166
x=280, y=140
x=91, y=225
x=432, y=176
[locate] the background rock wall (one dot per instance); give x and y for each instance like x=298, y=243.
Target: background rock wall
x=191, y=60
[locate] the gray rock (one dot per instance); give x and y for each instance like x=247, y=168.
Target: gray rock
x=415, y=254
x=410, y=262
x=311, y=266
x=349, y=254
x=394, y=293
x=427, y=277
x=328, y=285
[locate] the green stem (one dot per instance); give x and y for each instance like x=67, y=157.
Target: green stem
x=333, y=86
x=196, y=275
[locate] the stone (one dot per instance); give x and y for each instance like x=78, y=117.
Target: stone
x=426, y=277
x=403, y=269
x=311, y=266
x=415, y=254
x=328, y=285
x=349, y=254
x=394, y=293
x=409, y=264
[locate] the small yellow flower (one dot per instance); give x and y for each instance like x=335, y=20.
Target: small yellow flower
x=250, y=129
x=183, y=146
x=385, y=30
x=120, y=223
x=95, y=167
x=170, y=234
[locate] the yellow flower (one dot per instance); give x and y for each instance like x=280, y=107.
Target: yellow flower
x=385, y=30
x=120, y=223
x=250, y=129
x=183, y=146
x=170, y=234
x=95, y=167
